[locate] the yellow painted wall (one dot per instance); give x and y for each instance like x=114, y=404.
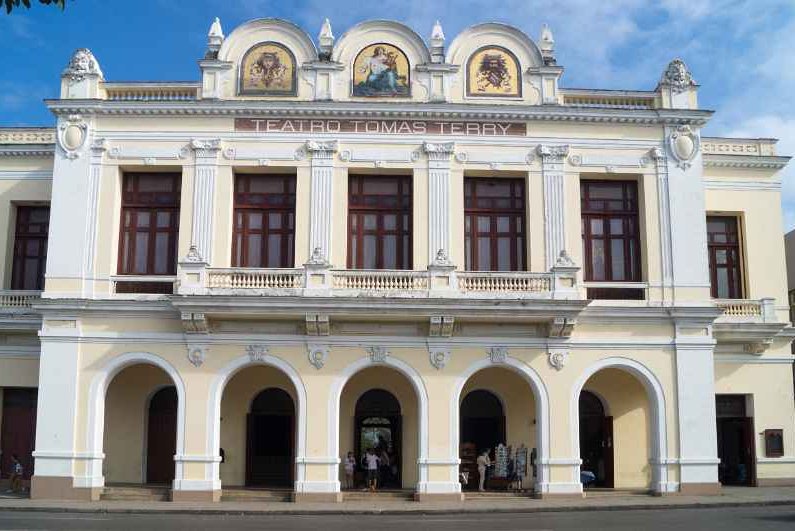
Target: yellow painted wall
x=240, y=391
x=627, y=402
x=126, y=414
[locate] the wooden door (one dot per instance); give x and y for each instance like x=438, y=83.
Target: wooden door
x=607, y=452
x=18, y=434
x=750, y=450
x=161, y=439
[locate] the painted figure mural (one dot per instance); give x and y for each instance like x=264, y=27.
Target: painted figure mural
x=381, y=70
x=268, y=69
x=493, y=71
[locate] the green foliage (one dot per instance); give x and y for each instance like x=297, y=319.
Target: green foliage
x=11, y=4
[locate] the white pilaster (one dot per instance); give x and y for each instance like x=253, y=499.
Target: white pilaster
x=92, y=206
x=438, y=197
x=552, y=161
x=205, y=170
x=687, y=220
x=664, y=214
x=321, y=198
x=695, y=388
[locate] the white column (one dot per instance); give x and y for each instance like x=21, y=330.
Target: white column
x=552, y=161
x=438, y=199
x=695, y=398
x=98, y=149
x=205, y=170
x=322, y=198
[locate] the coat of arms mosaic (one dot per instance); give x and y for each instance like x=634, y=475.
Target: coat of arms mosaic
x=268, y=69
x=493, y=71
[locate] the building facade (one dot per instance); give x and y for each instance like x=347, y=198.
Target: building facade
x=430, y=249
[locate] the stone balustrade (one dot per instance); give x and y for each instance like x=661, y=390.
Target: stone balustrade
x=255, y=278
x=18, y=301
x=753, y=310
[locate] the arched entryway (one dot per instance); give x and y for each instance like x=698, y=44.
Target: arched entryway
x=497, y=413
x=270, y=440
x=378, y=407
x=596, y=440
x=378, y=428
x=141, y=413
x=161, y=436
x=258, y=432
x=629, y=400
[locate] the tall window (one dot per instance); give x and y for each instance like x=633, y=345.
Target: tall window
x=494, y=220
x=723, y=243
x=264, y=228
x=30, y=247
x=379, y=222
x=610, y=236
x=149, y=224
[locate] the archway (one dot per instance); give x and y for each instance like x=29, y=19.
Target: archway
x=378, y=428
x=140, y=435
x=596, y=440
x=161, y=436
x=497, y=412
x=270, y=440
x=632, y=396
x=382, y=401
x=258, y=437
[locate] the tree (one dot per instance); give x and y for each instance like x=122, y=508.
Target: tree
x=11, y=4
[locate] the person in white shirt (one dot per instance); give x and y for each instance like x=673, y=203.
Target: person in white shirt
x=483, y=463
x=372, y=469
x=350, y=467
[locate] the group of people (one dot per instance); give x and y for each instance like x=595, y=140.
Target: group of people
x=378, y=465
x=16, y=475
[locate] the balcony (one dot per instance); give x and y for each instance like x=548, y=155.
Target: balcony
x=17, y=312
x=320, y=280
x=749, y=323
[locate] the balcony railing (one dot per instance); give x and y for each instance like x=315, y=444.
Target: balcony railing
x=18, y=301
x=747, y=310
x=195, y=278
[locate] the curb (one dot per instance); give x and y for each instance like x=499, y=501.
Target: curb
x=389, y=511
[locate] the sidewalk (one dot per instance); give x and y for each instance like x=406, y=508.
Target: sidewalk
x=730, y=497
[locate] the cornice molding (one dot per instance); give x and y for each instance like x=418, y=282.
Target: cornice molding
x=32, y=150
x=745, y=161
x=407, y=110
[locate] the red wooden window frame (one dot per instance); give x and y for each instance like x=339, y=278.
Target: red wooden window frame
x=139, y=204
x=30, y=247
x=364, y=205
x=276, y=213
x=490, y=219
x=723, y=245
x=618, y=220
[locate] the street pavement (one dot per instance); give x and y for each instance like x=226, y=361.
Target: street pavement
x=723, y=519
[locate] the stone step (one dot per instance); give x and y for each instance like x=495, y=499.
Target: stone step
x=498, y=495
x=135, y=493
x=380, y=495
x=602, y=492
x=256, y=495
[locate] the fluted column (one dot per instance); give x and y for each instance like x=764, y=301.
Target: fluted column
x=205, y=170
x=552, y=160
x=321, y=199
x=438, y=199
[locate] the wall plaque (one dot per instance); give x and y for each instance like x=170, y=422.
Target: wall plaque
x=381, y=127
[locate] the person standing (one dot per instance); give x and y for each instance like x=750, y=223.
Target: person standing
x=16, y=474
x=383, y=464
x=372, y=469
x=483, y=463
x=350, y=468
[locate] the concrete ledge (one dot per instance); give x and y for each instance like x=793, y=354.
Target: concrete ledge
x=775, y=482
x=427, y=497
x=317, y=497
x=559, y=495
x=61, y=488
x=199, y=496
x=699, y=489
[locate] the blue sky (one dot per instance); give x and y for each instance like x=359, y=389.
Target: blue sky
x=742, y=52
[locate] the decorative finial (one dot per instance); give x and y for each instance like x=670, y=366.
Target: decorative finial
x=82, y=64
x=437, y=43
x=546, y=43
x=326, y=39
x=677, y=76
x=215, y=38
